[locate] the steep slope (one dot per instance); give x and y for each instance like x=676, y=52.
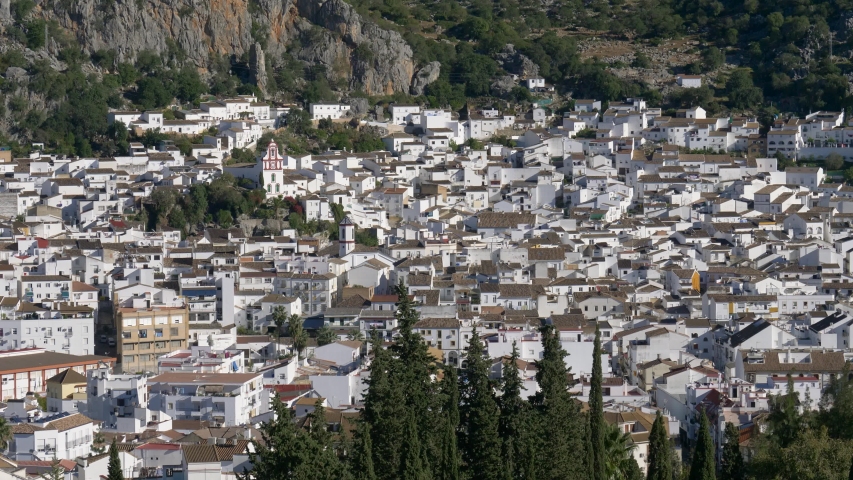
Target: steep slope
x=321, y=32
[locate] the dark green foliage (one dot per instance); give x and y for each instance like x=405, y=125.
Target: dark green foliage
x=596, y=412
x=478, y=424
x=660, y=453
x=561, y=450
x=448, y=467
x=713, y=58
x=290, y=452
x=785, y=421
x=114, y=470
x=732, y=467
x=836, y=407
x=361, y=461
x=833, y=161
x=400, y=395
x=741, y=91
x=36, y=33
x=364, y=237
x=514, y=427
x=152, y=93
x=325, y=336
x=641, y=60
x=413, y=464
x=703, y=463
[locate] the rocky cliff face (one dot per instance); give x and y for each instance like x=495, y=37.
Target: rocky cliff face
x=324, y=32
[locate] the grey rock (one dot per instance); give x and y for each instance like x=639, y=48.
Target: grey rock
x=426, y=75
x=5, y=12
x=16, y=74
x=258, y=66
x=331, y=33
x=358, y=105
x=503, y=85
x=515, y=62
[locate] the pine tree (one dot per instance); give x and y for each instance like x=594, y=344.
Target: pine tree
x=732, y=466
x=703, y=464
x=560, y=453
x=448, y=469
x=596, y=411
x=114, y=470
x=361, y=462
x=479, y=415
x=660, y=454
x=513, y=427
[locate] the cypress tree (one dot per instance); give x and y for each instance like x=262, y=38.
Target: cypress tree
x=479, y=416
x=114, y=471
x=384, y=411
x=561, y=449
x=280, y=453
x=702, y=466
x=319, y=452
x=660, y=455
x=513, y=427
x=596, y=411
x=415, y=377
x=448, y=469
x=400, y=386
x=361, y=463
x=732, y=466
x=411, y=464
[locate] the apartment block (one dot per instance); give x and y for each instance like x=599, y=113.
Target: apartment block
x=149, y=333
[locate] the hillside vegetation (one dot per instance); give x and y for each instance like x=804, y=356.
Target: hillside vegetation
x=63, y=69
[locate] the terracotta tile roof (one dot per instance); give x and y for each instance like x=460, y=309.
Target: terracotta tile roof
x=69, y=422
x=819, y=362
x=504, y=219
x=200, y=453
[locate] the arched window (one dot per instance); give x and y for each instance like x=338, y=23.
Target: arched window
x=276, y=187
x=819, y=230
x=809, y=230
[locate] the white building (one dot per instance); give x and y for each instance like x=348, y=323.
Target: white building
x=225, y=399
x=328, y=110
x=689, y=81
x=118, y=401
x=402, y=114
x=64, y=435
